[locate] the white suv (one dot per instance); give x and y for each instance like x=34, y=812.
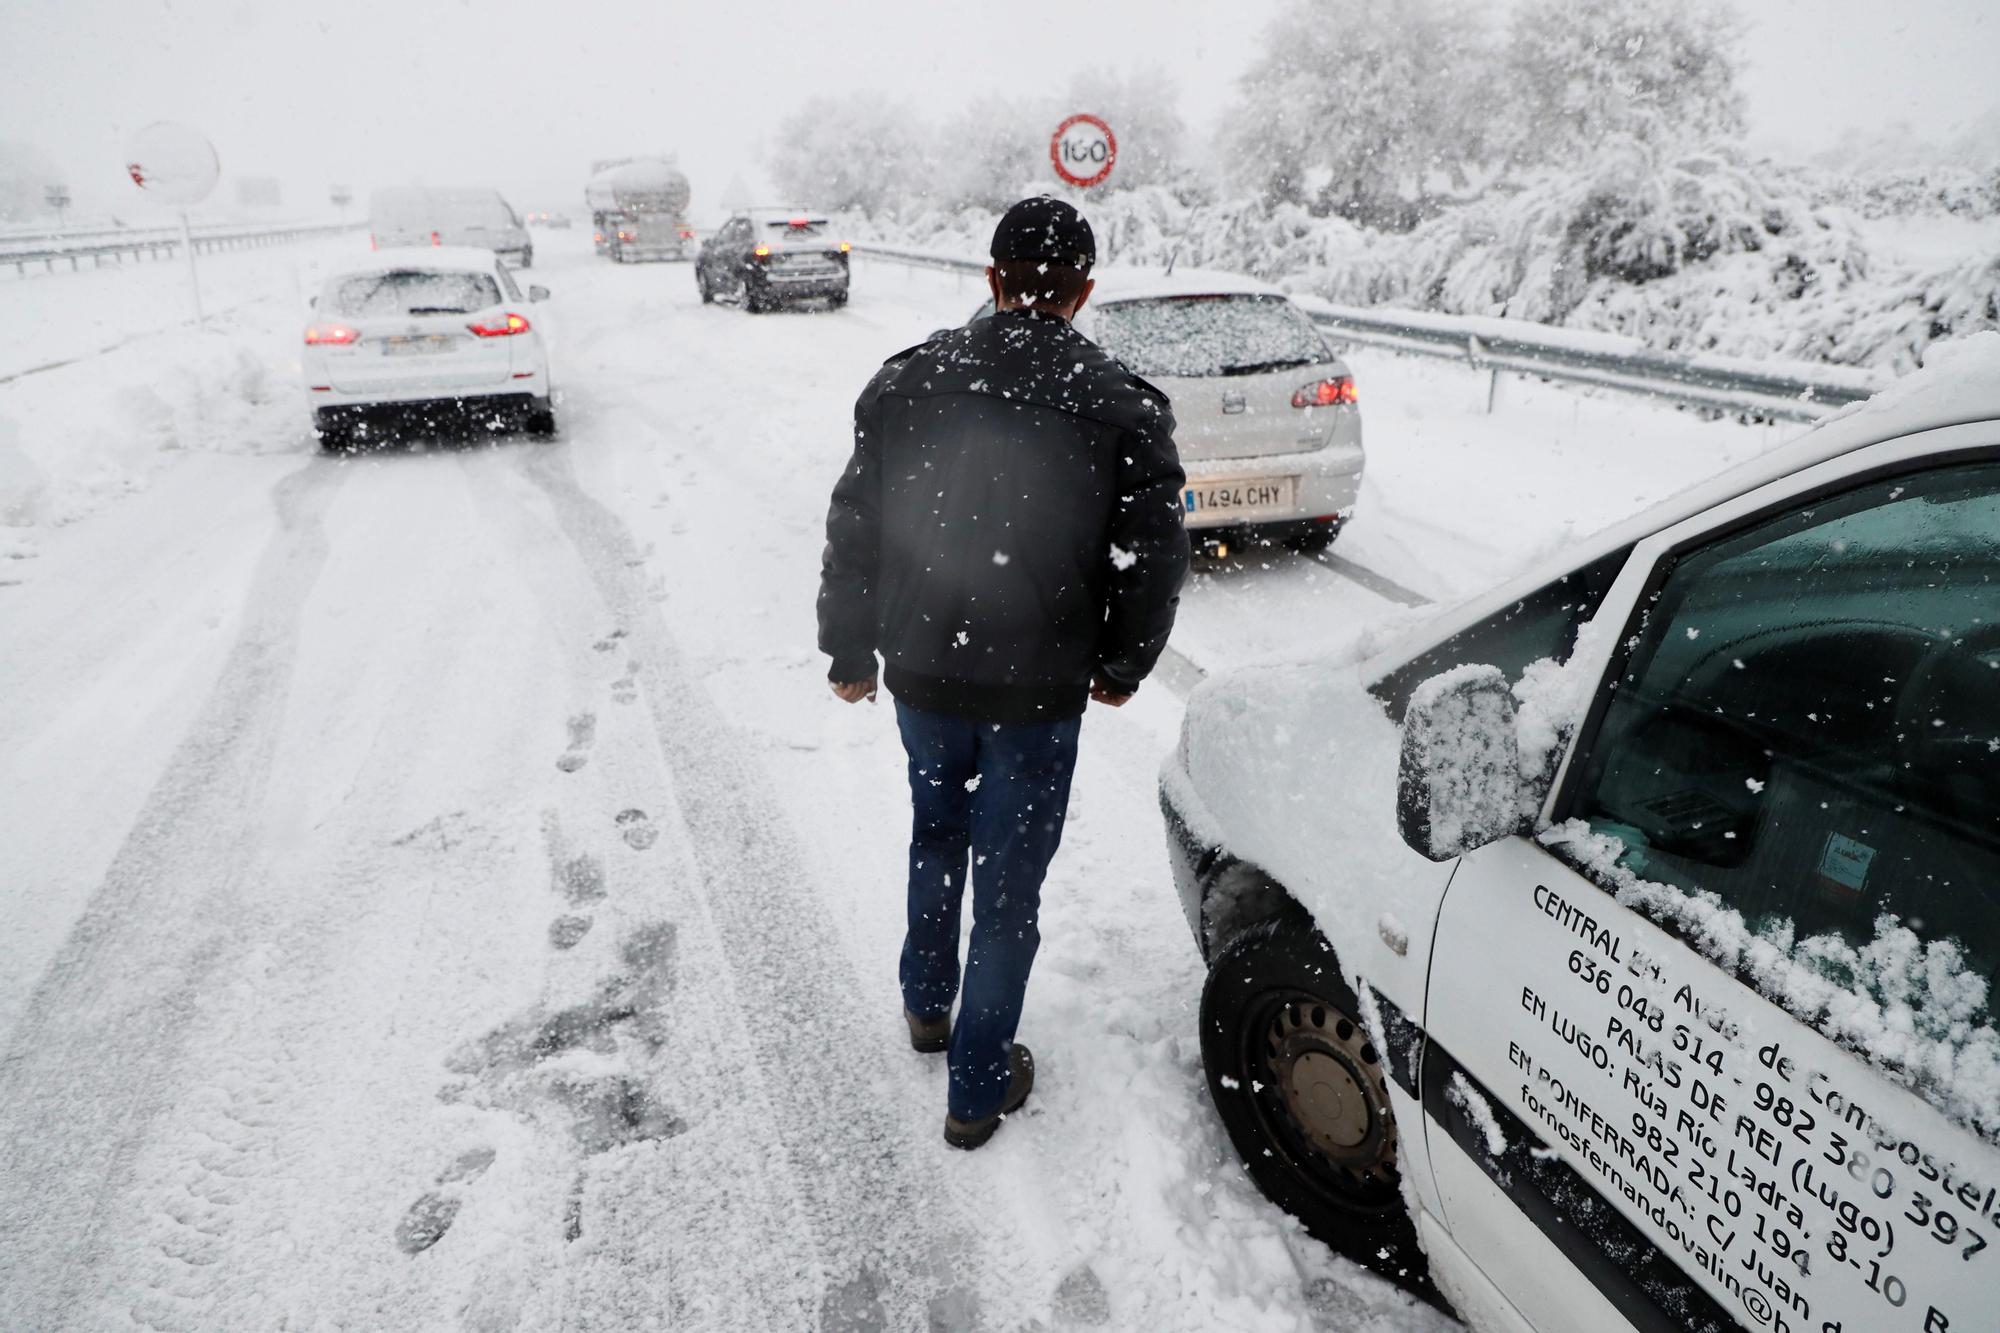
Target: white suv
x=1628, y=935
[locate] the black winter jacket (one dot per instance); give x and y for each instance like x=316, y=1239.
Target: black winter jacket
x=1009, y=524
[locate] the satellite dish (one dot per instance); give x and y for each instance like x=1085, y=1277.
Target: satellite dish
x=172, y=163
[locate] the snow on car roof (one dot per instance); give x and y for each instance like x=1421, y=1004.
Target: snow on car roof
x=1123, y=283
x=456, y=257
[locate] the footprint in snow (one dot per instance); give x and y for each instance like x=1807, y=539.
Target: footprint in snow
x=637, y=830
x=426, y=1222
x=566, y=931
x=624, y=691
x=580, y=878
x=609, y=641
x=1081, y=1298
x=435, y=1210
x=582, y=734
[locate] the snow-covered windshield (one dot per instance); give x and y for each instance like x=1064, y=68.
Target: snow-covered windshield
x=1204, y=336
x=408, y=291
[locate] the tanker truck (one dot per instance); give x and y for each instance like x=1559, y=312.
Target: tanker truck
x=638, y=210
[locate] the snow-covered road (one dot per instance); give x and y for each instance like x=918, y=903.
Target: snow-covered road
x=440, y=891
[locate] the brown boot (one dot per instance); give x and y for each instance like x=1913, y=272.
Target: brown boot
x=928, y=1035
x=970, y=1134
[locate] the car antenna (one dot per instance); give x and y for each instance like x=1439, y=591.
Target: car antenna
x=1170, y=261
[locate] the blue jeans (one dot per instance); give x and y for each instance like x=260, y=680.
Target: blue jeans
x=993, y=793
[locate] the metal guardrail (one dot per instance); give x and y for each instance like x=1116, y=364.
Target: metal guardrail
x=156, y=245
x=1724, y=384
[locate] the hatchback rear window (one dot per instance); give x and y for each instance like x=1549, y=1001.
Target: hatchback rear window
x=407, y=291
x=1202, y=336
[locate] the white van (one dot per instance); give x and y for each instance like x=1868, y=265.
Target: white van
x=408, y=215
x=1622, y=945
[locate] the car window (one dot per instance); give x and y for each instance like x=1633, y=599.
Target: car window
x=1542, y=624
x=407, y=291
x=1808, y=724
x=1202, y=336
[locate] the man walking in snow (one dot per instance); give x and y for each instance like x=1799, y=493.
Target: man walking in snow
x=1008, y=536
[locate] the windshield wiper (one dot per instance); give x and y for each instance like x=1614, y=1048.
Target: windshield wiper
x=1259, y=367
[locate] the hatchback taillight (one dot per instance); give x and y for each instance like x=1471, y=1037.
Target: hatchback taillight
x=508, y=326
x=762, y=251
x=330, y=335
x=1327, y=393
x=435, y=240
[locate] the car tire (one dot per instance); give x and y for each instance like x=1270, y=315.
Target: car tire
x=836, y=301
x=1314, y=540
x=336, y=434
x=754, y=301
x=1279, y=1022
x=701, y=285
x=540, y=420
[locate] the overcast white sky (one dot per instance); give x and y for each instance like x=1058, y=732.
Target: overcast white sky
x=522, y=93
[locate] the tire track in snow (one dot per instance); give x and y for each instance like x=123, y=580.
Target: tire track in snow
x=92, y=1061
x=886, y=1240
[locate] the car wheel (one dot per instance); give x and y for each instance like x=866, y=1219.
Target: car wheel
x=837, y=300
x=336, y=435
x=755, y=301
x=701, y=285
x=541, y=419
x=1315, y=539
x=1304, y=1094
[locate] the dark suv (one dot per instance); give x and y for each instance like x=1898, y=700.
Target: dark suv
x=767, y=257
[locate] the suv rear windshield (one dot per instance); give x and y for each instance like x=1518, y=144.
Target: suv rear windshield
x=1205, y=336
x=408, y=291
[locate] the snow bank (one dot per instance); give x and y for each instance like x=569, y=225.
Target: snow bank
x=75, y=438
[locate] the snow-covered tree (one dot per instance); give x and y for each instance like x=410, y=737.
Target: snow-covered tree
x=1580, y=74
x=25, y=176
x=853, y=152
x=1143, y=109
x=1365, y=108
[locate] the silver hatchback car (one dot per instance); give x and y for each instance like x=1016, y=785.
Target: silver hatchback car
x=1268, y=419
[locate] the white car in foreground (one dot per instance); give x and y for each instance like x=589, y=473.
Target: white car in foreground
x=1628, y=936
x=435, y=334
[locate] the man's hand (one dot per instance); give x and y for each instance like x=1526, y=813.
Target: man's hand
x=1104, y=692
x=854, y=691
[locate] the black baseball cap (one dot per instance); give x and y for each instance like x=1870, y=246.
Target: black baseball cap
x=1045, y=228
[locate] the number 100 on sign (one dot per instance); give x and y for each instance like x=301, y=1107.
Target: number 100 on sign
x=1083, y=150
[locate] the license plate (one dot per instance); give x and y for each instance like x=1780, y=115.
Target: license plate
x=420, y=346
x=1248, y=493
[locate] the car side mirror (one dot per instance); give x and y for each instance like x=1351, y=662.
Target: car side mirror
x=1459, y=784
x=538, y=293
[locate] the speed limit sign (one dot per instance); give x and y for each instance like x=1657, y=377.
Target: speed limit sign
x=1084, y=150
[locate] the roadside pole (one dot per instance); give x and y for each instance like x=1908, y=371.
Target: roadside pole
x=175, y=165
x=194, y=275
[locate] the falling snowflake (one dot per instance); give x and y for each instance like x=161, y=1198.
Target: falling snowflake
x=1122, y=558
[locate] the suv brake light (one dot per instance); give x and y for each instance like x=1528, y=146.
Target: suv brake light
x=510, y=325
x=330, y=335
x=761, y=251
x=435, y=240
x=1327, y=393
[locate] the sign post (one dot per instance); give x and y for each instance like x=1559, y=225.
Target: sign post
x=177, y=166
x=1083, y=151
